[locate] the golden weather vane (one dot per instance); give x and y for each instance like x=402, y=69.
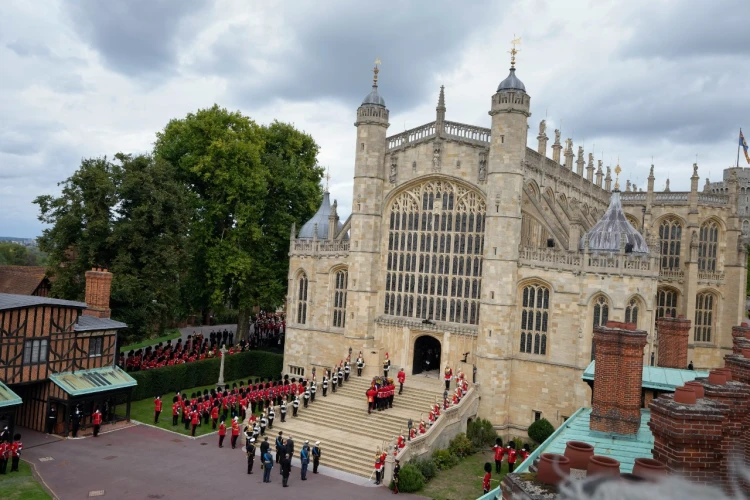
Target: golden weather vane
x=376, y=71
x=617, y=174
x=513, y=51
x=328, y=177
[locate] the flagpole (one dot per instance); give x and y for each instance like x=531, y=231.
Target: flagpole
x=738, y=149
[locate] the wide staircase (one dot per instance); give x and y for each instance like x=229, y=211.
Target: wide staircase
x=349, y=436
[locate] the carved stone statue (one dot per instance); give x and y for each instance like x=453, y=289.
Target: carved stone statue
x=569, y=144
x=557, y=136
x=695, y=169
x=542, y=127
x=436, y=160
x=591, y=160
x=482, y=167
x=599, y=165
x=394, y=170
x=580, y=152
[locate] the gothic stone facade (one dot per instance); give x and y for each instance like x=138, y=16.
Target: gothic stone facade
x=465, y=235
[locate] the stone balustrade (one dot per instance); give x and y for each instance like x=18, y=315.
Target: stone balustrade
x=411, y=136
x=671, y=274
x=319, y=247
x=472, y=133
x=588, y=262
x=711, y=276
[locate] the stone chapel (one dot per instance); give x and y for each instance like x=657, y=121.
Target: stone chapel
x=466, y=248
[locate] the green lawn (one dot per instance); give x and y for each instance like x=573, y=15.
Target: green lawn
x=21, y=485
x=463, y=481
x=173, y=334
x=143, y=411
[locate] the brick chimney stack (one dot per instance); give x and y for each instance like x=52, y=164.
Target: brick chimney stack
x=739, y=365
x=98, y=287
x=740, y=337
x=673, y=341
x=618, y=378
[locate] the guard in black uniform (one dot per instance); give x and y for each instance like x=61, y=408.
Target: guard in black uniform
x=250, y=450
x=316, y=452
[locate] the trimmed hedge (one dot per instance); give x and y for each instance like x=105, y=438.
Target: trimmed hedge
x=161, y=381
x=409, y=479
x=540, y=430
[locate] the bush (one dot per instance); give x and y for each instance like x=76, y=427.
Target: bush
x=444, y=459
x=540, y=430
x=481, y=434
x=461, y=446
x=162, y=381
x=427, y=467
x=410, y=479
x=226, y=317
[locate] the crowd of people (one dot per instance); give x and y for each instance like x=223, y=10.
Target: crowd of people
x=284, y=447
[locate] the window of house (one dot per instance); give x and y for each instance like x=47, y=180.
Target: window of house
x=302, y=299
x=435, y=246
x=537, y=415
x=534, y=319
x=670, y=238
x=704, y=316
x=297, y=370
x=339, y=298
x=707, y=246
x=35, y=351
x=95, y=346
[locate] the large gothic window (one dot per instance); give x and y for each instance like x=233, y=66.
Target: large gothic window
x=302, y=299
x=670, y=237
x=435, y=246
x=601, y=315
x=339, y=298
x=666, y=303
x=708, y=243
x=534, y=319
x=704, y=316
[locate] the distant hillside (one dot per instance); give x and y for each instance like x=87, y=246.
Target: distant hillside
x=29, y=242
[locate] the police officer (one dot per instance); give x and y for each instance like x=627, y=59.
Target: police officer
x=282, y=410
x=295, y=406
x=250, y=450
x=316, y=456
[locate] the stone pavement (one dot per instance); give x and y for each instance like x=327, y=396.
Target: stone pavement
x=143, y=462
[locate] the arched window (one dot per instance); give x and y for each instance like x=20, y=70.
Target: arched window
x=601, y=315
x=745, y=225
x=631, y=312
x=302, y=299
x=670, y=238
x=534, y=319
x=339, y=298
x=666, y=303
x=445, y=223
x=704, y=316
x=708, y=243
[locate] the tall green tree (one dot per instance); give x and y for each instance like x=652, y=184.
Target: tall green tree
x=131, y=216
x=250, y=184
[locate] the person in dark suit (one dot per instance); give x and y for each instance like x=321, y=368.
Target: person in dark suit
x=286, y=469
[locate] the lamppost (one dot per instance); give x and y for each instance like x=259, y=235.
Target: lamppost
x=220, y=384
x=409, y=424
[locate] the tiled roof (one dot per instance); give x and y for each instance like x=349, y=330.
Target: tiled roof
x=12, y=301
x=8, y=397
x=22, y=280
x=657, y=377
x=93, y=381
x=92, y=323
x=621, y=447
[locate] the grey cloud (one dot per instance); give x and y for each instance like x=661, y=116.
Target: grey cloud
x=137, y=38
x=689, y=29
x=334, y=48
x=27, y=48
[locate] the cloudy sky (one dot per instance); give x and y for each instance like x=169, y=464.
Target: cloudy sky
x=637, y=79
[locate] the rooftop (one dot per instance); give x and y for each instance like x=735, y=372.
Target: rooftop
x=657, y=377
x=606, y=235
x=621, y=447
x=8, y=397
x=92, y=381
x=23, y=280
x=92, y=323
x=13, y=301
x=319, y=220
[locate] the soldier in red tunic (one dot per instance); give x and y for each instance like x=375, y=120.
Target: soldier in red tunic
x=222, y=433
x=487, y=477
x=378, y=466
x=157, y=408
x=15, y=450
x=4, y=454
x=97, y=420
x=235, y=431
x=195, y=420
x=175, y=410
x=401, y=379
x=215, y=414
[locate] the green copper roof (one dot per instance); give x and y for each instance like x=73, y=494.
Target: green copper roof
x=92, y=381
x=621, y=447
x=656, y=377
x=8, y=397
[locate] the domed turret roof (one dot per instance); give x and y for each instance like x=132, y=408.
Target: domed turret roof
x=606, y=234
x=511, y=82
x=321, y=219
x=374, y=98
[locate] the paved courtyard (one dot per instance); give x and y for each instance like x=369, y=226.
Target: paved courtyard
x=142, y=462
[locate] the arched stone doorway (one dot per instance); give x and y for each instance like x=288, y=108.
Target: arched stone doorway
x=426, y=355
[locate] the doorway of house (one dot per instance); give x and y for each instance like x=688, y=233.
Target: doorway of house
x=426, y=356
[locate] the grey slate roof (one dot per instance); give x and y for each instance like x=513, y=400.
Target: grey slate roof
x=605, y=235
x=12, y=301
x=374, y=98
x=321, y=219
x=91, y=323
x=511, y=82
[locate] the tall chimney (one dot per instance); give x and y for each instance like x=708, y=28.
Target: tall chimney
x=739, y=365
x=740, y=337
x=618, y=378
x=673, y=341
x=98, y=287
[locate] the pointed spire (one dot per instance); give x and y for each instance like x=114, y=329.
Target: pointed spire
x=441, y=105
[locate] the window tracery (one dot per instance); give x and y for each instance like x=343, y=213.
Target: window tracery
x=302, y=299
x=670, y=239
x=534, y=319
x=341, y=279
x=707, y=246
x=704, y=316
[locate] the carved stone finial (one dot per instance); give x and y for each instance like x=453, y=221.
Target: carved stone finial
x=695, y=170
x=542, y=127
x=666, y=188
x=651, y=172
x=557, y=136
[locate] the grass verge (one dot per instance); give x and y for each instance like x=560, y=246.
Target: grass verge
x=143, y=411
x=173, y=334
x=21, y=485
x=464, y=481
